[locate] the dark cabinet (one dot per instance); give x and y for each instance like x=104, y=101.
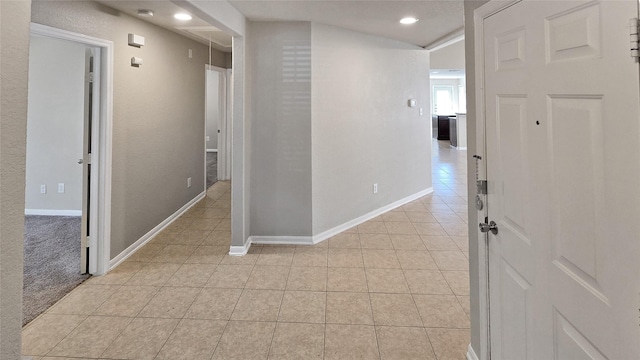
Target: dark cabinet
x=440, y=125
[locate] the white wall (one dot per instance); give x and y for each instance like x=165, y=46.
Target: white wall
x=363, y=131
x=280, y=118
x=55, y=124
x=449, y=57
x=213, y=109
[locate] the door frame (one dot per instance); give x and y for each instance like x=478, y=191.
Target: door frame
x=100, y=221
x=480, y=14
x=223, y=122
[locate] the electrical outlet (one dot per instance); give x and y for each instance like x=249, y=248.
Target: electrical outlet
x=375, y=188
x=188, y=182
x=43, y=189
x=421, y=111
x=60, y=188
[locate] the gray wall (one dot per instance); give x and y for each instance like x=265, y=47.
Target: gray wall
x=158, y=115
x=469, y=34
x=279, y=66
x=55, y=123
x=449, y=57
x=363, y=130
x=14, y=56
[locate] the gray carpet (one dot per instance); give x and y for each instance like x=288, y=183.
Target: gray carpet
x=212, y=168
x=51, y=262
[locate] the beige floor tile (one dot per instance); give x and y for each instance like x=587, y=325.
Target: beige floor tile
x=399, y=216
x=214, y=213
x=258, y=305
x=345, y=241
x=118, y=276
x=348, y=308
x=428, y=282
x=191, y=275
x=375, y=241
x=345, y=258
x=446, y=217
x=230, y=276
x=243, y=340
x=394, y=310
x=46, y=331
x=400, y=228
x=147, y=252
x=310, y=256
x=153, y=274
x=249, y=259
x=179, y=225
x=439, y=243
x=372, y=227
x=462, y=242
x=276, y=255
x=213, y=303
x=458, y=281
x=442, y=311
x=402, y=343
x=193, y=340
x=381, y=259
x=386, y=281
x=91, y=337
x=350, y=342
x=421, y=217
x=127, y=301
x=268, y=277
x=430, y=229
x=218, y=238
x=142, y=339
x=415, y=260
x=206, y=254
x=303, y=306
x=163, y=237
x=297, y=341
x=205, y=223
x=465, y=303
x=407, y=242
x=174, y=254
x=346, y=279
x=307, y=279
x=414, y=206
x=83, y=300
x=456, y=229
x=191, y=236
x=450, y=260
x=225, y=224
x=170, y=302
x=449, y=344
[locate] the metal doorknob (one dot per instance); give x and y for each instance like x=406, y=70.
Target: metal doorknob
x=491, y=226
x=80, y=161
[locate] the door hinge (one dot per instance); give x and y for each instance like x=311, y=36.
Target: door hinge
x=634, y=24
x=90, y=77
x=482, y=187
x=89, y=159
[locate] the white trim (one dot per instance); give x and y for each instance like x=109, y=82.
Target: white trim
x=101, y=215
x=479, y=15
x=471, y=354
x=155, y=231
x=51, y=212
x=282, y=240
x=212, y=150
x=448, y=39
x=368, y=216
x=235, y=250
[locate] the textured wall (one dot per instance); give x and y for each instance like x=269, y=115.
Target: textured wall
x=55, y=123
x=280, y=72
x=158, y=115
x=363, y=130
x=14, y=61
x=449, y=57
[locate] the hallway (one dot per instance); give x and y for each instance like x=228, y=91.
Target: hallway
x=395, y=287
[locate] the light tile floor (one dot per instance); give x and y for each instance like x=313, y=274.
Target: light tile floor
x=396, y=287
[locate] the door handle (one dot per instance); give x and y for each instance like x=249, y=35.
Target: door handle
x=492, y=226
x=80, y=161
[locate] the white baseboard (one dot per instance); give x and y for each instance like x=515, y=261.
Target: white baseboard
x=235, y=250
x=282, y=240
x=50, y=212
x=153, y=232
x=212, y=150
x=471, y=355
x=366, y=217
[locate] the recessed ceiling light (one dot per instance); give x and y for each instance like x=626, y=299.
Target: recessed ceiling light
x=408, y=20
x=145, y=12
x=182, y=16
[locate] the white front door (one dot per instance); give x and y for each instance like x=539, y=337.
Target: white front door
x=562, y=124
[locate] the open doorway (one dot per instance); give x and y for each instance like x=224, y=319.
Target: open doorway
x=216, y=123
x=66, y=165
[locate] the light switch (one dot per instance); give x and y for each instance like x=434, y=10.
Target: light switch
x=136, y=40
x=412, y=103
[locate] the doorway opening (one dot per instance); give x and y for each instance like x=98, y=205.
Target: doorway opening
x=217, y=124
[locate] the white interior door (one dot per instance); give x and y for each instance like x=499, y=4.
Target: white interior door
x=561, y=100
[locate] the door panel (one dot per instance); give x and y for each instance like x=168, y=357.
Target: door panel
x=563, y=159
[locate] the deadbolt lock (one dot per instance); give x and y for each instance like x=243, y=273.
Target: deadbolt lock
x=492, y=226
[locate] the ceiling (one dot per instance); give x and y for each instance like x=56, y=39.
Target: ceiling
x=439, y=19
